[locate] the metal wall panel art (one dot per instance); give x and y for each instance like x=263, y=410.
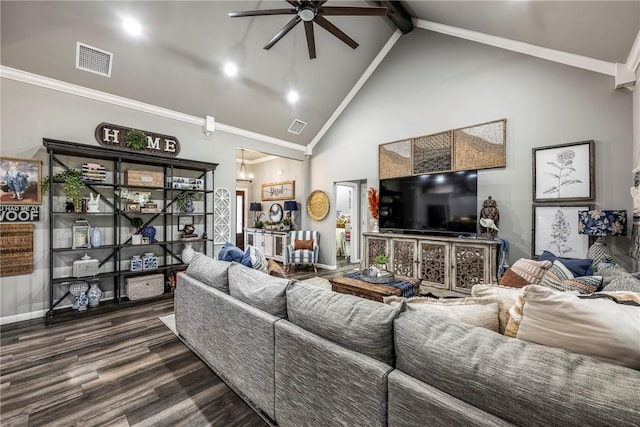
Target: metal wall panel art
x=432, y=153
x=481, y=146
x=394, y=159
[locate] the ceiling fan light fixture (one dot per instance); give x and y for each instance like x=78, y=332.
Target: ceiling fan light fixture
x=293, y=96
x=132, y=26
x=307, y=13
x=230, y=69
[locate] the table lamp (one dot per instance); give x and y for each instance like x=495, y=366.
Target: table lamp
x=255, y=207
x=601, y=223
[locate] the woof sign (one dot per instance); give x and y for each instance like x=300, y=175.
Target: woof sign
x=19, y=213
x=129, y=139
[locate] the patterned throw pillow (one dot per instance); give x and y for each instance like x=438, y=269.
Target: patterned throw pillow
x=303, y=244
x=524, y=272
x=597, y=327
x=559, y=277
x=254, y=258
x=578, y=267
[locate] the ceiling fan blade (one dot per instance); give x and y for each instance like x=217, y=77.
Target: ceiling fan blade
x=262, y=12
x=283, y=32
x=311, y=41
x=352, y=11
x=317, y=4
x=293, y=3
x=335, y=31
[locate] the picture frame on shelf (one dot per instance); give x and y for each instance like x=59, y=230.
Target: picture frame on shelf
x=20, y=181
x=184, y=220
x=555, y=229
x=564, y=172
x=132, y=207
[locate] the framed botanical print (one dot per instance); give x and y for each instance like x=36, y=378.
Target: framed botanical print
x=555, y=229
x=564, y=173
x=20, y=181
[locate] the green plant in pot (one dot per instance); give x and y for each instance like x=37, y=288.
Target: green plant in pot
x=381, y=261
x=184, y=201
x=136, y=139
x=137, y=223
x=286, y=223
x=71, y=180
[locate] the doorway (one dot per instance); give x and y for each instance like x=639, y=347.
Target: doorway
x=240, y=216
x=348, y=219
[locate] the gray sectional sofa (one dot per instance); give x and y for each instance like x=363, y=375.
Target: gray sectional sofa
x=306, y=356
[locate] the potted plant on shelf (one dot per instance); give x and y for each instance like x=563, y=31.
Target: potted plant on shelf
x=72, y=185
x=184, y=201
x=136, y=223
x=286, y=224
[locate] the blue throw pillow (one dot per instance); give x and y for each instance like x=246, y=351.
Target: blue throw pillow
x=578, y=267
x=230, y=252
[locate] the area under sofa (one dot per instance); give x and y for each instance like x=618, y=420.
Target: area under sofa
x=305, y=356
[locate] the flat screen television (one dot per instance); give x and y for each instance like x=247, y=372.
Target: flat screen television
x=441, y=203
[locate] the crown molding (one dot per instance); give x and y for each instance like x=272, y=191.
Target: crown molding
x=633, y=60
x=72, y=89
x=578, y=61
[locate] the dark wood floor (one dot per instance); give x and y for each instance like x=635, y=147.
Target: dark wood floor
x=121, y=368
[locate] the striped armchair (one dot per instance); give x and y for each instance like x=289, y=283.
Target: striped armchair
x=303, y=256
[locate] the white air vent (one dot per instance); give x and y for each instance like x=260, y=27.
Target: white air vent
x=94, y=60
x=297, y=126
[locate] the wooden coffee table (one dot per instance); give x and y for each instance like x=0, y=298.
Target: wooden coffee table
x=371, y=291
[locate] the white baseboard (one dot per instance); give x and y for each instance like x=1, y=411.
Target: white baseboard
x=22, y=316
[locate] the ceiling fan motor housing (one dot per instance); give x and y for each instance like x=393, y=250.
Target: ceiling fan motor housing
x=307, y=13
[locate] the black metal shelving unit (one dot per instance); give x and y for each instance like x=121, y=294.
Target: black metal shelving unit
x=113, y=255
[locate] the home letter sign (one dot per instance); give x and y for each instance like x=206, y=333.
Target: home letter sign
x=114, y=136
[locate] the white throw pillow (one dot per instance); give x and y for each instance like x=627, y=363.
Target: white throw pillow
x=506, y=296
x=598, y=327
x=482, y=312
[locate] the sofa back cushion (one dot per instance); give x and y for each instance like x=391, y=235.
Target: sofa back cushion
x=506, y=296
x=358, y=324
x=210, y=271
x=258, y=289
x=502, y=375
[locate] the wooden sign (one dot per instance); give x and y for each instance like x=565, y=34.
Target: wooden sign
x=284, y=190
x=16, y=249
x=119, y=137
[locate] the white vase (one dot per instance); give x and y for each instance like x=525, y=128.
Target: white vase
x=187, y=253
x=96, y=238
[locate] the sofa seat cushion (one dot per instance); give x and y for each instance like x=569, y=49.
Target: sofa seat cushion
x=481, y=312
x=210, y=271
x=523, y=383
x=360, y=325
x=599, y=327
x=258, y=289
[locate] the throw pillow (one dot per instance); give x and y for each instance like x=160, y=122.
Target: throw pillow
x=210, y=271
x=254, y=258
x=355, y=323
x=275, y=269
x=506, y=296
x=303, y=244
x=597, y=327
x=559, y=277
x=482, y=312
x=230, y=252
x=258, y=289
x=524, y=272
x=577, y=267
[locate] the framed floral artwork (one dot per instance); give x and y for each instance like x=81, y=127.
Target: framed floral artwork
x=564, y=173
x=555, y=229
x=20, y=181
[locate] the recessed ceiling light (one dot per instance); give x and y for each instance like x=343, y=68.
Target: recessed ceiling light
x=293, y=96
x=230, y=69
x=132, y=26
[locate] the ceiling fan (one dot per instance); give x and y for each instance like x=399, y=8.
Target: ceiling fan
x=310, y=12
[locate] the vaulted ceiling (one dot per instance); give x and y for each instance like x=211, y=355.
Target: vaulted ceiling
x=177, y=63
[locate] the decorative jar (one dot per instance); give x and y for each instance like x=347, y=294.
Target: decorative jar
x=136, y=263
x=94, y=293
x=188, y=253
x=96, y=237
x=149, y=261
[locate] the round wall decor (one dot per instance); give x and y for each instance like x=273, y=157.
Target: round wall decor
x=275, y=213
x=318, y=205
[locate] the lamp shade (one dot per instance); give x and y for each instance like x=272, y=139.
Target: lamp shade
x=602, y=223
x=290, y=205
x=255, y=207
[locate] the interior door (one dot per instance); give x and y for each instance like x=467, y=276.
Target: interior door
x=240, y=196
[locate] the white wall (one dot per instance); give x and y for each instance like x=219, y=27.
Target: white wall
x=431, y=82
x=30, y=113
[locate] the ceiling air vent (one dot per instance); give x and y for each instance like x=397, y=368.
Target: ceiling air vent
x=297, y=126
x=94, y=60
